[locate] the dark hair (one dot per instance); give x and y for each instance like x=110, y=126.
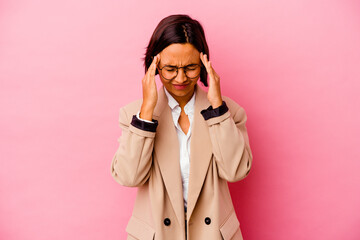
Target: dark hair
x=177, y=29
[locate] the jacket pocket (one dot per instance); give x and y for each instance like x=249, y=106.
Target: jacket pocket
x=230, y=226
x=140, y=230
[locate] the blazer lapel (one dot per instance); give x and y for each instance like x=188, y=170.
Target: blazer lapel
x=167, y=150
x=200, y=150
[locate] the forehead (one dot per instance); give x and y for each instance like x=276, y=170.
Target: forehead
x=179, y=54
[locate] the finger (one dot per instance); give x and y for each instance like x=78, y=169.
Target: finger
x=207, y=63
x=210, y=68
x=157, y=59
x=149, y=70
x=154, y=62
x=203, y=59
x=151, y=65
x=213, y=70
x=152, y=72
x=213, y=73
x=152, y=68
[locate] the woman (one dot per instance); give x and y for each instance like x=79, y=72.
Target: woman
x=181, y=145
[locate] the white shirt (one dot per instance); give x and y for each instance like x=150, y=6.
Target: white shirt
x=184, y=139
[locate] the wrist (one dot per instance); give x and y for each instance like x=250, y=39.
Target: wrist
x=146, y=113
x=216, y=103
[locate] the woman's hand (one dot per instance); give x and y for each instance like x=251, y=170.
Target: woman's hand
x=149, y=91
x=214, y=92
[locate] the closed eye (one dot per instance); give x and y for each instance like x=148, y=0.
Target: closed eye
x=191, y=67
x=170, y=69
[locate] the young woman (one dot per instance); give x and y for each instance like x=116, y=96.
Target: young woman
x=181, y=145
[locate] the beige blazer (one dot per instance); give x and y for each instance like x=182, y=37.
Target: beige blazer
x=220, y=153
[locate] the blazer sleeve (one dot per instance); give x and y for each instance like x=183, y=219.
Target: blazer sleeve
x=133, y=159
x=230, y=141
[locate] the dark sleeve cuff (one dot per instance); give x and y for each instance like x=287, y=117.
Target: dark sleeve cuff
x=211, y=112
x=151, y=127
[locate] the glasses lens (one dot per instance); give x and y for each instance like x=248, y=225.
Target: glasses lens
x=169, y=72
x=192, y=71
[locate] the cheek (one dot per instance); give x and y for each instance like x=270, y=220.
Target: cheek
x=195, y=81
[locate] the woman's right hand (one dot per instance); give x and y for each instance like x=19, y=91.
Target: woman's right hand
x=150, y=95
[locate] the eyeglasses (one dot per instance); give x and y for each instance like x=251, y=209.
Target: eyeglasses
x=169, y=72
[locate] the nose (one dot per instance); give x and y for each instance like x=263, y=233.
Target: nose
x=181, y=77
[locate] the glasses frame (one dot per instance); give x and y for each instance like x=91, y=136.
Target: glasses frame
x=177, y=71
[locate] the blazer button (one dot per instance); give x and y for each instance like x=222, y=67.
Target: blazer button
x=207, y=220
x=167, y=221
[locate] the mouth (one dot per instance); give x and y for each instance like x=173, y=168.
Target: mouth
x=180, y=86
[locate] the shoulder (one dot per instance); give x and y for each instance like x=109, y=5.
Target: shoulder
x=130, y=109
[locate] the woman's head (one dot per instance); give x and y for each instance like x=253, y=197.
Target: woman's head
x=177, y=29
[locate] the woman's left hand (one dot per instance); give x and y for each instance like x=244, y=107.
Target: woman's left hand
x=214, y=92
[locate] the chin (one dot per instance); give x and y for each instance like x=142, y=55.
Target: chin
x=179, y=93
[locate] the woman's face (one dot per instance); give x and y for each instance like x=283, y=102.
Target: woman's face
x=180, y=55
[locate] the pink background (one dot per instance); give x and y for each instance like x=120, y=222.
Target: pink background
x=66, y=67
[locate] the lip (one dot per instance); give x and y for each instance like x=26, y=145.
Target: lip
x=180, y=86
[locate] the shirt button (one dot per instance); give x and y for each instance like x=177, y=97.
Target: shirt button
x=207, y=220
x=167, y=221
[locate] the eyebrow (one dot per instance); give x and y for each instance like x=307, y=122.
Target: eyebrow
x=169, y=65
